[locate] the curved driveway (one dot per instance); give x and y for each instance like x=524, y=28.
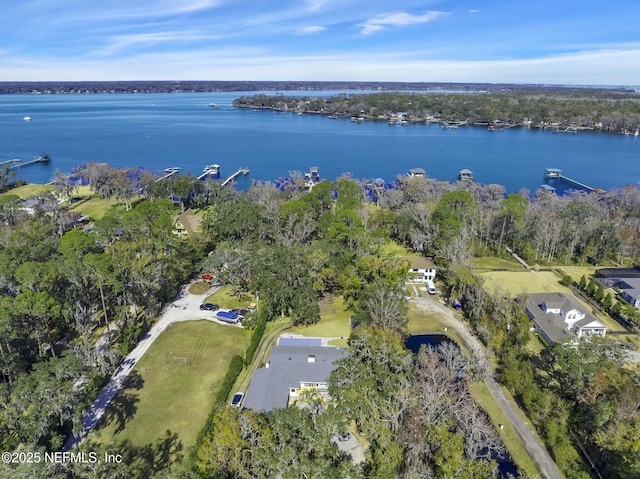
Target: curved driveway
x=532, y=444
x=185, y=307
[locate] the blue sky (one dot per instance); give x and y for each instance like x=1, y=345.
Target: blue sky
x=560, y=41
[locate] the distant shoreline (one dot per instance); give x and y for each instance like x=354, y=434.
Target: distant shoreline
x=115, y=87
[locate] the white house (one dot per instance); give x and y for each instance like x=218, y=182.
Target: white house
x=558, y=316
x=421, y=269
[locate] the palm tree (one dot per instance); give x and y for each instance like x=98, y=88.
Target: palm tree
x=632, y=313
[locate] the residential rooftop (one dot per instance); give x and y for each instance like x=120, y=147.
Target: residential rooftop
x=287, y=368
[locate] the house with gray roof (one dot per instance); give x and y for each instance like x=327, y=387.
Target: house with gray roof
x=291, y=369
x=627, y=279
x=559, y=316
x=630, y=291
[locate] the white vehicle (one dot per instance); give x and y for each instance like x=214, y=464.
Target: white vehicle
x=237, y=399
x=431, y=288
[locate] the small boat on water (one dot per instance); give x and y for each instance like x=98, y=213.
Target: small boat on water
x=27, y=118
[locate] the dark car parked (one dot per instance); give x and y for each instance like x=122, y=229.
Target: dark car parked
x=208, y=307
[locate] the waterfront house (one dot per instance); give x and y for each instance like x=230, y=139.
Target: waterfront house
x=417, y=172
x=465, y=175
x=421, y=269
x=559, y=316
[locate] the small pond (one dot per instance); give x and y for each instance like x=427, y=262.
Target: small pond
x=414, y=342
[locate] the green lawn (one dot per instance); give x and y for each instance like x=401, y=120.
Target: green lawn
x=30, y=189
x=227, y=300
x=514, y=283
x=173, y=386
x=491, y=263
x=334, y=320
x=577, y=272
x=94, y=206
x=199, y=287
x=87, y=203
x=395, y=249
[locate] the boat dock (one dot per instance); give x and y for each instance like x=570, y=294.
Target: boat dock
x=556, y=174
x=17, y=164
x=241, y=171
x=211, y=172
x=168, y=172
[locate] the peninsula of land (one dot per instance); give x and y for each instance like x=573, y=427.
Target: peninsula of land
x=562, y=109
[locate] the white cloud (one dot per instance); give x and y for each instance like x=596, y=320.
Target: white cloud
x=613, y=66
x=126, y=10
x=474, y=11
x=315, y=5
x=397, y=19
x=310, y=30
x=121, y=42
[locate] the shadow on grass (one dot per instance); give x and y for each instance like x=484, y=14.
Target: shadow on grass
x=148, y=460
x=123, y=406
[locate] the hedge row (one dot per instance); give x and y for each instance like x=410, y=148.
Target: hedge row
x=233, y=371
x=256, y=337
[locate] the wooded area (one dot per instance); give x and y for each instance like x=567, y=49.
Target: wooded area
x=562, y=108
x=59, y=285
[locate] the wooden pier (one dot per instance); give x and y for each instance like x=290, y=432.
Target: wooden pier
x=241, y=171
x=556, y=174
x=17, y=164
x=169, y=172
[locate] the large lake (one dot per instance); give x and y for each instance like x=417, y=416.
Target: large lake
x=180, y=129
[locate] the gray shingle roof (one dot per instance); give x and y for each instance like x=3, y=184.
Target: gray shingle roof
x=288, y=366
x=552, y=324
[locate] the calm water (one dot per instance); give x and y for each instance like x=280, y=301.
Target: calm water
x=162, y=130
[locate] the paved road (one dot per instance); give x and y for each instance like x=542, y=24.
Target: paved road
x=185, y=307
x=532, y=444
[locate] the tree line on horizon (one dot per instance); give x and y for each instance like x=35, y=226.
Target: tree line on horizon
x=203, y=86
x=580, y=108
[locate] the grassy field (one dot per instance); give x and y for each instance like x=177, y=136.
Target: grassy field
x=92, y=205
x=514, y=283
x=172, y=388
x=334, y=320
x=199, y=287
x=491, y=263
x=392, y=248
x=85, y=203
x=577, y=272
x=227, y=300
x=30, y=189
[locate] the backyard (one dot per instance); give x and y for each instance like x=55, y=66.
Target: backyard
x=171, y=390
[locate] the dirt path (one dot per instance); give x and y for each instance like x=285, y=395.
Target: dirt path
x=532, y=444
